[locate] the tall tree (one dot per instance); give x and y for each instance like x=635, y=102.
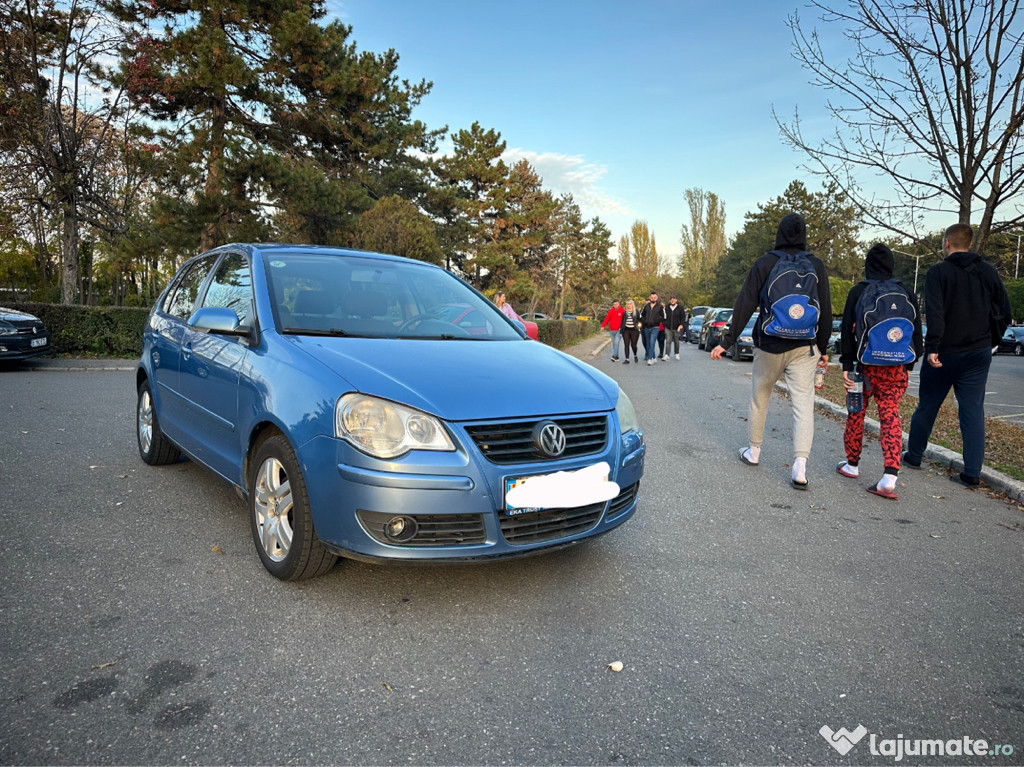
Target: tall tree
x=471, y=180
x=703, y=240
x=931, y=101
x=398, y=227
x=263, y=108
x=831, y=233
x=59, y=127
x=581, y=260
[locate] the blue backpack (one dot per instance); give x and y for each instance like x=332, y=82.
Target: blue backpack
x=884, y=324
x=789, y=299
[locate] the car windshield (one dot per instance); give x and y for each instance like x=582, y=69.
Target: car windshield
x=749, y=327
x=361, y=296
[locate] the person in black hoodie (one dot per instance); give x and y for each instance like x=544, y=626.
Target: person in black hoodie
x=887, y=384
x=777, y=357
x=968, y=311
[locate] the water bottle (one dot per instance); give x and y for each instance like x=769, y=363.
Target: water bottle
x=819, y=374
x=855, y=396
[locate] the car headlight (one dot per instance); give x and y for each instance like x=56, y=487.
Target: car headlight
x=747, y=339
x=386, y=429
x=627, y=415
x=7, y=329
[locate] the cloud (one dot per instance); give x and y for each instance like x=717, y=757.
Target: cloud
x=564, y=173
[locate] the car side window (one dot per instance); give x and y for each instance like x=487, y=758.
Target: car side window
x=181, y=300
x=231, y=287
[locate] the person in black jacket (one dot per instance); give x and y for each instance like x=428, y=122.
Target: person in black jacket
x=777, y=357
x=675, y=323
x=968, y=311
x=887, y=384
x=651, y=316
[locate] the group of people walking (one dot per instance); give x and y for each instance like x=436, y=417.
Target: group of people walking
x=881, y=340
x=656, y=325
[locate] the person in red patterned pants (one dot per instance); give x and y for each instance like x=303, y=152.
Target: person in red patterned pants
x=886, y=384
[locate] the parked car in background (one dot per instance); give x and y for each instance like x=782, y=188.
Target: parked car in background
x=698, y=311
x=744, y=346
x=22, y=336
x=835, y=340
x=713, y=328
x=535, y=316
x=1012, y=342
x=377, y=407
x=693, y=332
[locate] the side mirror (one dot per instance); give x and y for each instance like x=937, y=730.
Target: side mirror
x=217, y=319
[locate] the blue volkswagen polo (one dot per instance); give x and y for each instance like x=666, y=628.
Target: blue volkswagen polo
x=361, y=416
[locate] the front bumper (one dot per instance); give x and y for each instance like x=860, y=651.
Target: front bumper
x=24, y=346
x=456, y=502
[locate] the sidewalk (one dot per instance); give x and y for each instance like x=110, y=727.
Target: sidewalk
x=592, y=348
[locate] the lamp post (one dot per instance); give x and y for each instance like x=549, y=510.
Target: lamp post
x=917, y=262
x=1016, y=264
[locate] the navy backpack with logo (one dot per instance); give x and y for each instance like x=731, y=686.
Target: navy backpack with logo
x=789, y=299
x=884, y=324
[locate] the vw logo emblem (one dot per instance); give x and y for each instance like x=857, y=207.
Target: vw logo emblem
x=549, y=438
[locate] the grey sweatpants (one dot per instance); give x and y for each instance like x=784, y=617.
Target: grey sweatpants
x=798, y=368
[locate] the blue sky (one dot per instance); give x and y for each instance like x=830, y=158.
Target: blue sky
x=623, y=104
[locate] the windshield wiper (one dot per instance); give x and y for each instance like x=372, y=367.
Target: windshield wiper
x=336, y=332
x=441, y=337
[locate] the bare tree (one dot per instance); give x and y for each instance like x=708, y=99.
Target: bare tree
x=930, y=101
x=59, y=115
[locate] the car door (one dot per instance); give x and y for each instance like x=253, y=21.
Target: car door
x=211, y=365
x=167, y=332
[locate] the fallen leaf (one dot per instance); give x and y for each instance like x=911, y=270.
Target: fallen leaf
x=936, y=536
x=940, y=497
x=616, y=666
x=387, y=687
x=105, y=665
x=217, y=550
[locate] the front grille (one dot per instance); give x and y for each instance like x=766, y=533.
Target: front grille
x=431, y=529
x=550, y=525
x=623, y=500
x=508, y=443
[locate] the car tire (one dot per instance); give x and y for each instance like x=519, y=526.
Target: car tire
x=154, y=448
x=1018, y=350
x=280, y=517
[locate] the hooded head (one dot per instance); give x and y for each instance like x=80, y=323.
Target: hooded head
x=878, y=263
x=792, y=232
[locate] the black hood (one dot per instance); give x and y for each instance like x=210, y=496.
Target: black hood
x=878, y=264
x=963, y=258
x=792, y=232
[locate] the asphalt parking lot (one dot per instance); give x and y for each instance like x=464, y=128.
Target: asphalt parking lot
x=138, y=626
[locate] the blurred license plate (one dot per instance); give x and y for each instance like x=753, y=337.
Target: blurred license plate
x=38, y=342
x=561, y=490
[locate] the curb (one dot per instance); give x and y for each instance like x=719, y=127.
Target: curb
x=937, y=454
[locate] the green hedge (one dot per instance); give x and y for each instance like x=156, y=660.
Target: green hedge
x=562, y=334
x=116, y=331
x=101, y=331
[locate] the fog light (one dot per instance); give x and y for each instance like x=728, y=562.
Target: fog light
x=400, y=528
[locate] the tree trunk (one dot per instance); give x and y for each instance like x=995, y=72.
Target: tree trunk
x=69, y=255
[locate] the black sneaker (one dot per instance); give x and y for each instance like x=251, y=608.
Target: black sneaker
x=907, y=462
x=965, y=480
x=626, y=362
x=615, y=359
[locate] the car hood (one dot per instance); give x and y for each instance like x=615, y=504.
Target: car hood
x=14, y=314
x=466, y=380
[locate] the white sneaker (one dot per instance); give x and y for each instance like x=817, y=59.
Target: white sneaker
x=665, y=358
x=677, y=355
x=650, y=362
